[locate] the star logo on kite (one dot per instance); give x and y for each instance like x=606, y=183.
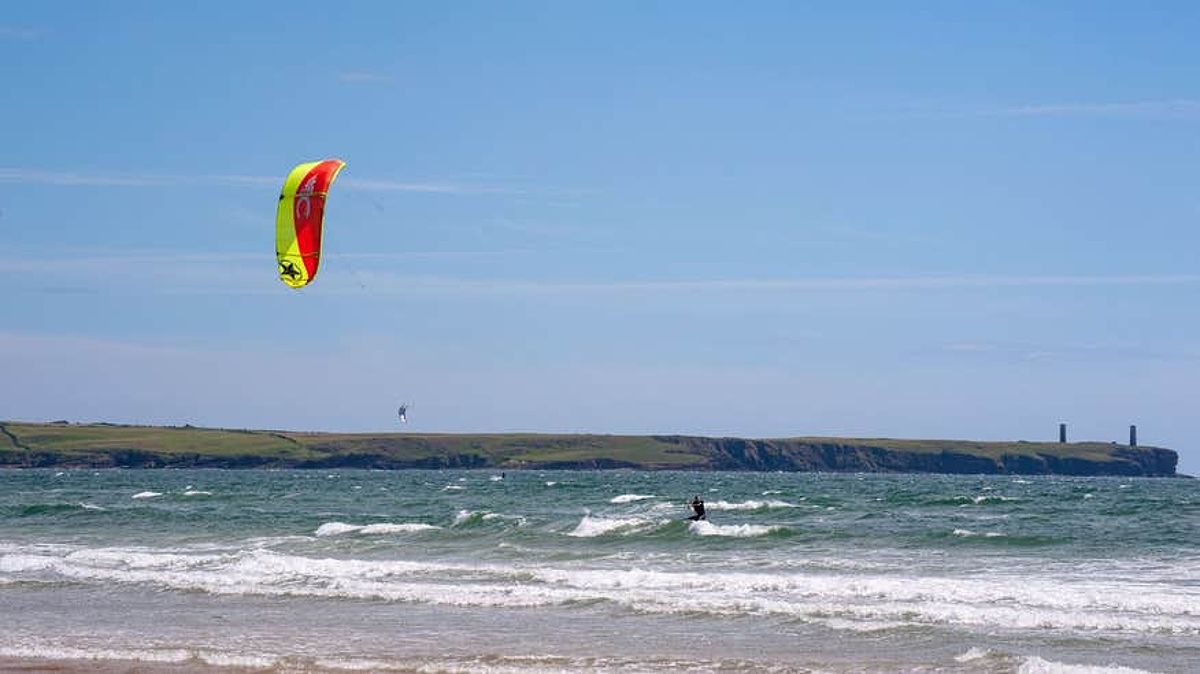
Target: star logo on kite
x=288, y=269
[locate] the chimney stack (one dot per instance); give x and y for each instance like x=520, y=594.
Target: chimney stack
x=1132, y=435
x=1062, y=432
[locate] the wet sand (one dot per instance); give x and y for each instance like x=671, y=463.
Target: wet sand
x=82, y=666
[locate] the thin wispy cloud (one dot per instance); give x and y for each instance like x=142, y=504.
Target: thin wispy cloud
x=1035, y=353
x=1166, y=109
x=429, y=254
x=1163, y=109
x=890, y=283
x=393, y=284
x=14, y=175
x=236, y=268
x=432, y=187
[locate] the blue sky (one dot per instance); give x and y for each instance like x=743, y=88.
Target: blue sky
x=935, y=220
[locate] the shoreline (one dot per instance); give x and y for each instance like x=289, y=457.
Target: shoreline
x=58, y=665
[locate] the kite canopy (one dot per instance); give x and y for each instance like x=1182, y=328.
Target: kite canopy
x=300, y=218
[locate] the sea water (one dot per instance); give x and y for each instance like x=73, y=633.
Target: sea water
x=545, y=571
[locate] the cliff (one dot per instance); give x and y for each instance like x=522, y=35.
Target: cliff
x=932, y=456
x=62, y=444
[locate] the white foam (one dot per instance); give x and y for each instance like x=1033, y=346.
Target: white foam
x=339, y=528
x=487, y=516
x=1036, y=665
x=706, y=528
x=993, y=498
x=453, y=487
x=24, y=563
x=402, y=528
x=89, y=506
x=55, y=652
x=147, y=494
x=1129, y=602
x=336, y=528
x=197, y=492
x=750, y=505
x=972, y=654
x=52, y=651
x=967, y=533
x=630, y=498
x=590, y=526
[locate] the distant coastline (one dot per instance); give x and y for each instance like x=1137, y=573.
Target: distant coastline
x=103, y=445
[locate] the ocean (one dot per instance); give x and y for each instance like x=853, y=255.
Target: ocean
x=598, y=571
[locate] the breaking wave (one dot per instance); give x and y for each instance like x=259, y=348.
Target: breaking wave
x=840, y=600
x=339, y=528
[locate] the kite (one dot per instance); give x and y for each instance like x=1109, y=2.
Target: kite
x=300, y=218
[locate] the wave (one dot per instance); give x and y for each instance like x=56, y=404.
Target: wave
x=147, y=494
x=1036, y=665
x=961, y=501
x=706, y=528
x=1035, y=602
x=590, y=526
x=40, y=509
x=53, y=652
x=339, y=528
x=967, y=533
x=630, y=498
x=162, y=656
x=1001, y=539
x=750, y=505
x=467, y=518
x=973, y=654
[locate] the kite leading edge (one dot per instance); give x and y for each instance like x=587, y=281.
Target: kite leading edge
x=300, y=218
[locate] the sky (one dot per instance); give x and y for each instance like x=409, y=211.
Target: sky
x=771, y=219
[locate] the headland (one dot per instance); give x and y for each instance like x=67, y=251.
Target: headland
x=104, y=445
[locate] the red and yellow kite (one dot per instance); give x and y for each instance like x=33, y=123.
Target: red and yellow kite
x=300, y=218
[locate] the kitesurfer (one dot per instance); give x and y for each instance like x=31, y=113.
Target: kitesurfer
x=697, y=508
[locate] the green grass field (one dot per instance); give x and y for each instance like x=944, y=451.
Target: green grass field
x=70, y=439
x=64, y=443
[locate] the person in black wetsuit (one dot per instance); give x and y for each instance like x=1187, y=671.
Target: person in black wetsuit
x=698, y=508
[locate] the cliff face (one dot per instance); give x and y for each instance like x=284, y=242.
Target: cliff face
x=792, y=455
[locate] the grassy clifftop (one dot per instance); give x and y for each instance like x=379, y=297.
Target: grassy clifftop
x=103, y=445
